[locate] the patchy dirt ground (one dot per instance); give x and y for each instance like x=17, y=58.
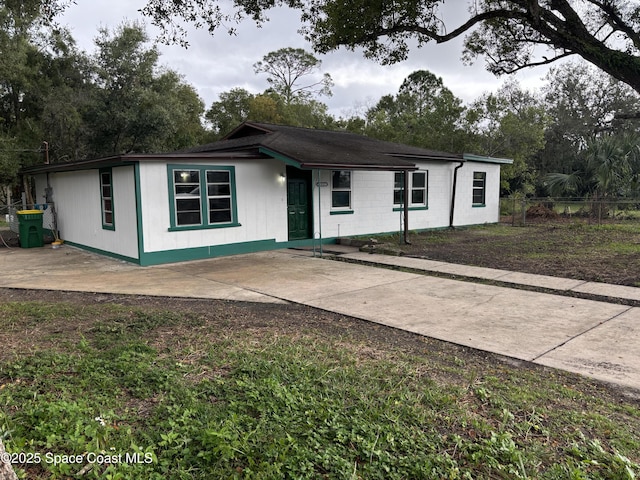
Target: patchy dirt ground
x=600, y=253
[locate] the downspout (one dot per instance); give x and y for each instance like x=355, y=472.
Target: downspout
x=453, y=194
x=406, y=207
x=319, y=211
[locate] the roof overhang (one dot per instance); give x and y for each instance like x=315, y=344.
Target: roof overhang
x=131, y=159
x=309, y=165
x=470, y=157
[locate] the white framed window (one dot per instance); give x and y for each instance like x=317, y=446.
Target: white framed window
x=341, y=189
x=479, y=188
x=418, y=189
x=106, y=198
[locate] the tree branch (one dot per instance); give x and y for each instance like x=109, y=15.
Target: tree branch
x=546, y=61
x=621, y=25
x=438, y=38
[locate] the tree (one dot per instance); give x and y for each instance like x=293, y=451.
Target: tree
x=506, y=32
x=138, y=107
x=611, y=169
x=24, y=28
x=238, y=105
x=71, y=93
x=424, y=113
x=286, y=68
x=509, y=123
x=231, y=109
x=581, y=102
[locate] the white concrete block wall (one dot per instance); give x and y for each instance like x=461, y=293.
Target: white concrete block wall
x=372, y=203
x=465, y=212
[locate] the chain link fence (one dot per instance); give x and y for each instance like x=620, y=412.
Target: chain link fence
x=521, y=211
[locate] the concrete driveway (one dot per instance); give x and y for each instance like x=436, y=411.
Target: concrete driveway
x=596, y=339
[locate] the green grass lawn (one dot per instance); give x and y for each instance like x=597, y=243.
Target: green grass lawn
x=163, y=393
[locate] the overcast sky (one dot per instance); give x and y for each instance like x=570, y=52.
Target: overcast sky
x=215, y=64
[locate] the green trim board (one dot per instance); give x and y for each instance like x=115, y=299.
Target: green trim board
x=279, y=156
x=103, y=252
x=203, y=227
x=203, y=253
x=138, y=193
x=214, y=251
x=341, y=212
x=411, y=209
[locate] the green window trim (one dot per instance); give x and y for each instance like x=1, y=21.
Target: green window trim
x=341, y=212
x=105, y=177
x=411, y=209
x=202, y=197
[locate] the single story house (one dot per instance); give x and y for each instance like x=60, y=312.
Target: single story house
x=263, y=187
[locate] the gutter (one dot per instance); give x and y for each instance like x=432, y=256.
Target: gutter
x=453, y=193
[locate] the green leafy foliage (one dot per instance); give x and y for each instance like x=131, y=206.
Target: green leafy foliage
x=189, y=402
x=423, y=113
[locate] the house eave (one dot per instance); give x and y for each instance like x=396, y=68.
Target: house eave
x=470, y=157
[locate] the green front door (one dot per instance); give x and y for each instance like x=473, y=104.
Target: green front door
x=298, y=208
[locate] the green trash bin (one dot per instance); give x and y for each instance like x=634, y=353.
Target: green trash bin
x=30, y=228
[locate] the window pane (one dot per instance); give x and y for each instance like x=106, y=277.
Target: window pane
x=220, y=216
x=186, y=176
x=478, y=196
x=186, y=204
x=398, y=197
x=105, y=178
x=107, y=204
x=419, y=180
x=218, y=177
x=398, y=180
x=187, y=190
x=341, y=199
x=106, y=190
x=219, y=204
x=216, y=190
x=108, y=218
x=189, y=218
x=479, y=185
x=341, y=179
x=417, y=196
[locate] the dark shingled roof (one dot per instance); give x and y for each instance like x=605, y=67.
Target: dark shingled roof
x=301, y=147
x=311, y=148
